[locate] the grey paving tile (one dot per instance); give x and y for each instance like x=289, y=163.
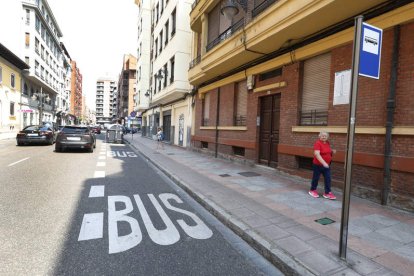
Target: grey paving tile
x=381, y=219
x=320, y=263
x=382, y=241
x=242, y=212
x=303, y=232
x=406, y=251
x=256, y=221
x=293, y=245
x=272, y=232
x=401, y=232
x=255, y=188
x=362, y=264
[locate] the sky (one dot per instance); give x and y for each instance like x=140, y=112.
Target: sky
x=97, y=34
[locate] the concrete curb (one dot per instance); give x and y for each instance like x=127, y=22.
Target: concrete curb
x=282, y=260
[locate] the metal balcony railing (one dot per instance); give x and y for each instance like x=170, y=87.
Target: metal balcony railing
x=195, y=61
x=314, y=118
x=240, y=120
x=263, y=6
x=226, y=34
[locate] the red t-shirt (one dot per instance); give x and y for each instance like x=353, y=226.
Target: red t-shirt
x=325, y=150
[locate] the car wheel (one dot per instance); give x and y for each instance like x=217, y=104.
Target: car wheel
x=51, y=142
x=58, y=149
x=91, y=150
x=19, y=144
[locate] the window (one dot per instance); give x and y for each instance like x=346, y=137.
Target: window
x=240, y=104
x=27, y=60
x=1, y=74
x=165, y=75
x=271, y=74
x=172, y=65
x=206, y=109
x=27, y=17
x=156, y=47
x=13, y=80
x=315, y=93
x=304, y=162
x=238, y=151
x=204, y=145
x=166, y=33
x=161, y=34
x=37, y=24
x=37, y=45
x=27, y=40
x=25, y=89
x=173, y=22
x=42, y=52
x=11, y=108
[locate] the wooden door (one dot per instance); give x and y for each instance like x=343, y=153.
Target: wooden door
x=269, y=130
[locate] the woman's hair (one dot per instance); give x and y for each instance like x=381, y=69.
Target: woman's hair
x=323, y=132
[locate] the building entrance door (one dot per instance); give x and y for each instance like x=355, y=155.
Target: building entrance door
x=269, y=130
x=166, y=121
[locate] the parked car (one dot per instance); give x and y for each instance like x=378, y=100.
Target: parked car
x=75, y=137
x=36, y=134
x=96, y=129
x=130, y=130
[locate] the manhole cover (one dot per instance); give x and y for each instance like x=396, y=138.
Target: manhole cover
x=224, y=175
x=249, y=174
x=324, y=221
x=170, y=153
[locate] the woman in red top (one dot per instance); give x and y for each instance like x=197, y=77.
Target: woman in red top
x=322, y=159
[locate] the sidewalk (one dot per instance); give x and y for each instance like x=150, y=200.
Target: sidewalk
x=8, y=134
x=273, y=212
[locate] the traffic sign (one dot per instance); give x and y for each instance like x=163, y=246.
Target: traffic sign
x=133, y=114
x=370, y=51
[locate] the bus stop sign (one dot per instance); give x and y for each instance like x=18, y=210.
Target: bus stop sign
x=370, y=51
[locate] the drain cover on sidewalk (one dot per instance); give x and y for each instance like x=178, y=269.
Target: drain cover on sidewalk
x=224, y=175
x=249, y=174
x=324, y=221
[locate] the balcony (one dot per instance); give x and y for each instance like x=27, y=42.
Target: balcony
x=226, y=34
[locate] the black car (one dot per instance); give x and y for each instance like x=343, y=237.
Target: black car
x=96, y=129
x=36, y=134
x=75, y=137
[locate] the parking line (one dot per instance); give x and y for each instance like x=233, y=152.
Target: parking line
x=12, y=164
x=92, y=227
x=99, y=174
x=97, y=191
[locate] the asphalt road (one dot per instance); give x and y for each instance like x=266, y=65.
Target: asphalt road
x=107, y=213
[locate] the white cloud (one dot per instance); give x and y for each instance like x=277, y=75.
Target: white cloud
x=97, y=33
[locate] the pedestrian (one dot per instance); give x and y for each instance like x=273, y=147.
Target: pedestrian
x=160, y=138
x=321, y=165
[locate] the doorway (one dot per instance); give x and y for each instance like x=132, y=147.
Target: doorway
x=269, y=130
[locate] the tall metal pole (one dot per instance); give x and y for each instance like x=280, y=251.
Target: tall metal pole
x=350, y=138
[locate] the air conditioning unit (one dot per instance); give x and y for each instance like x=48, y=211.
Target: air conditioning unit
x=250, y=82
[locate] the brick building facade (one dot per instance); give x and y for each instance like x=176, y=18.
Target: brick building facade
x=280, y=87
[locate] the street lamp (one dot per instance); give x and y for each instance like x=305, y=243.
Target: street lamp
x=229, y=8
x=42, y=98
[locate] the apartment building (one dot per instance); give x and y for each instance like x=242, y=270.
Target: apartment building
x=163, y=90
x=76, y=92
x=126, y=87
x=11, y=68
x=105, y=103
x=43, y=83
x=63, y=115
x=266, y=72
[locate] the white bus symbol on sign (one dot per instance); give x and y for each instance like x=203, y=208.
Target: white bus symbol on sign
x=371, y=40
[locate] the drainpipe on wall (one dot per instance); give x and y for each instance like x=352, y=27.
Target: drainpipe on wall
x=390, y=116
x=217, y=121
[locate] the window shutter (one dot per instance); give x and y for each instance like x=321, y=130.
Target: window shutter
x=241, y=108
x=316, y=83
x=206, y=114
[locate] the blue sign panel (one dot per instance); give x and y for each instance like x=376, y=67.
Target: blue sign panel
x=370, y=53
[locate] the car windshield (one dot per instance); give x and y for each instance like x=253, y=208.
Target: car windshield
x=35, y=128
x=72, y=130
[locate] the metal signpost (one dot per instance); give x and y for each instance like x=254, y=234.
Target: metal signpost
x=365, y=62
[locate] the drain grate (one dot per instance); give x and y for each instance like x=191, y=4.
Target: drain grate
x=324, y=221
x=249, y=174
x=224, y=175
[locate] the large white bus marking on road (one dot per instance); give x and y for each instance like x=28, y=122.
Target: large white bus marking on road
x=167, y=236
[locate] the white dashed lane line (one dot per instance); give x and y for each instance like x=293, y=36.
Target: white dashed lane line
x=101, y=164
x=99, y=174
x=12, y=164
x=92, y=227
x=97, y=191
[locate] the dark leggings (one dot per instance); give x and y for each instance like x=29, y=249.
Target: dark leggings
x=317, y=171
